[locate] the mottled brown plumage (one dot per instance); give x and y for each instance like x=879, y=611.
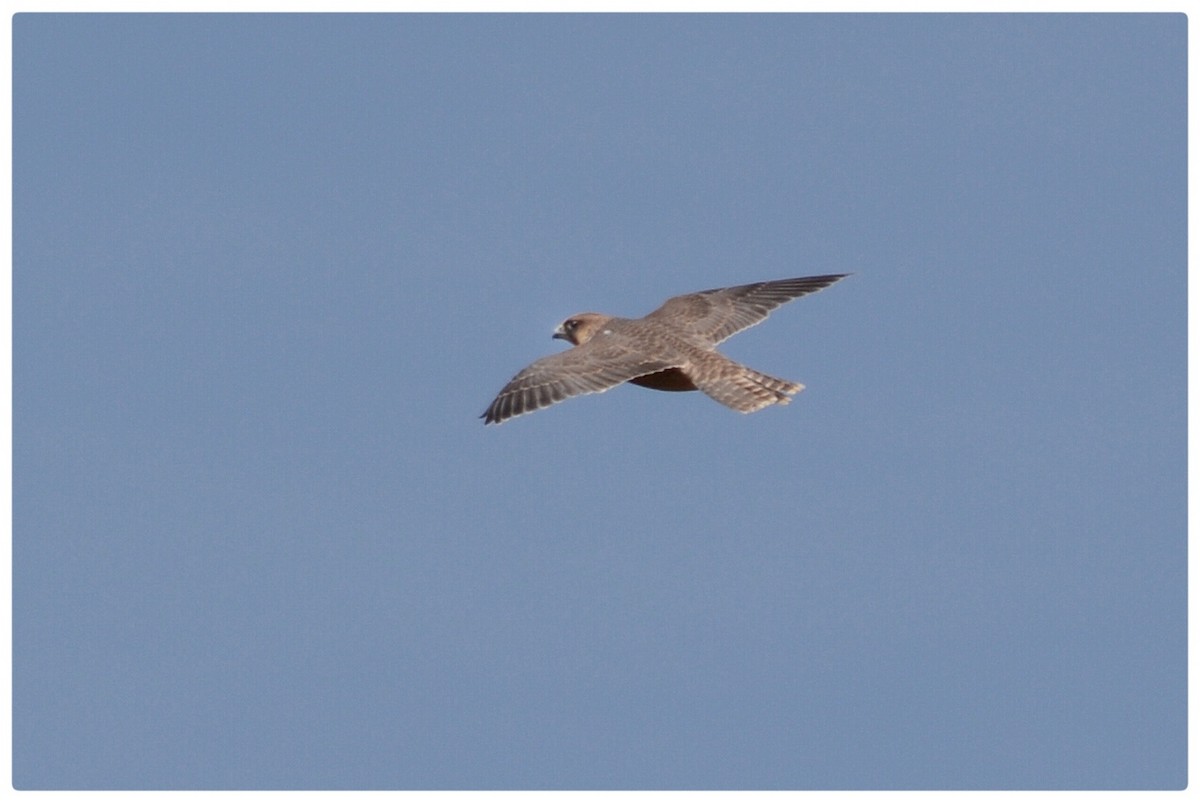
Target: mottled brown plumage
x=672, y=349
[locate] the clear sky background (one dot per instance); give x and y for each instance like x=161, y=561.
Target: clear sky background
x=268, y=271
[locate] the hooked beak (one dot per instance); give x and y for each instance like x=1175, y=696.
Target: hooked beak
x=559, y=334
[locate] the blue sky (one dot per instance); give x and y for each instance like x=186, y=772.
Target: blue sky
x=268, y=271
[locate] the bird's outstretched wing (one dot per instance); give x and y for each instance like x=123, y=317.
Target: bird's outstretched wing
x=714, y=315
x=607, y=360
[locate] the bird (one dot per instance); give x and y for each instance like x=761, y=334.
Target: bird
x=671, y=349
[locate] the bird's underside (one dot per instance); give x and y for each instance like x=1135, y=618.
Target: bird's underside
x=672, y=379
x=671, y=349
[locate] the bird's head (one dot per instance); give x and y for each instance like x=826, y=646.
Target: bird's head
x=579, y=329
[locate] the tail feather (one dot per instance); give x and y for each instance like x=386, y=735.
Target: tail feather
x=746, y=390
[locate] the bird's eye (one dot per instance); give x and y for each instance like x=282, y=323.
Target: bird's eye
x=571, y=324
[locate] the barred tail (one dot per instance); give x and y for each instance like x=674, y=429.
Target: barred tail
x=746, y=390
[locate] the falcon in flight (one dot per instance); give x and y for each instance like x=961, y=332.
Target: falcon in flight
x=672, y=348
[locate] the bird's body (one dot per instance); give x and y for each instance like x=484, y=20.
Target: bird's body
x=672, y=379
x=671, y=349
